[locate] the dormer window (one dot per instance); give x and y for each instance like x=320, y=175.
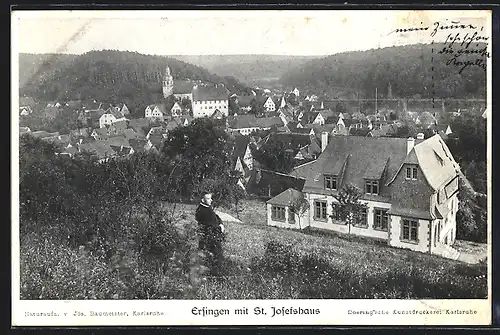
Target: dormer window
x=330, y=182
x=372, y=187
x=411, y=172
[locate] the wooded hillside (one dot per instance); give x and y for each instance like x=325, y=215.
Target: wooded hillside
x=414, y=70
x=111, y=76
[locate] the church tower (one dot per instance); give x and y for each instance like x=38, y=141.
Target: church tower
x=168, y=84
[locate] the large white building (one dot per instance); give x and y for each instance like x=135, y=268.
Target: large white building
x=410, y=188
x=209, y=98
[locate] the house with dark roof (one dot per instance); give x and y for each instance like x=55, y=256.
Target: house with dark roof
x=313, y=118
x=183, y=89
x=245, y=103
x=301, y=146
x=281, y=209
x=365, y=132
x=155, y=111
x=99, y=149
x=241, y=157
x=209, y=98
x=138, y=124
x=138, y=144
x=246, y=124
x=264, y=104
x=268, y=184
x=410, y=188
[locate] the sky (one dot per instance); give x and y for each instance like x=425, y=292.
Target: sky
x=211, y=32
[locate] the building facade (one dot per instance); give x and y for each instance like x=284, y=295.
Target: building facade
x=209, y=98
x=410, y=188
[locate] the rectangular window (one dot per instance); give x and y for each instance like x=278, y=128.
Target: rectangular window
x=371, y=187
x=409, y=230
x=320, y=210
x=381, y=219
x=361, y=218
x=411, y=172
x=331, y=182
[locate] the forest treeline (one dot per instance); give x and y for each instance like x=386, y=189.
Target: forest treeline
x=420, y=70
x=108, y=75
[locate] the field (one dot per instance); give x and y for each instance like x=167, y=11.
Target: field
x=364, y=259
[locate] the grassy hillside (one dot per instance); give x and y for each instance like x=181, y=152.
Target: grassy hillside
x=362, y=260
x=250, y=69
x=408, y=70
x=113, y=76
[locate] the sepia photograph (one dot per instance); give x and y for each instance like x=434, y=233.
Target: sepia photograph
x=202, y=160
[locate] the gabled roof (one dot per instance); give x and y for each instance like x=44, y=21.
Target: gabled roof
x=99, y=148
x=118, y=141
x=119, y=125
x=301, y=171
x=251, y=121
x=292, y=141
x=210, y=93
x=101, y=131
x=360, y=131
x=174, y=123
x=157, y=140
x=183, y=87
x=436, y=161
x=286, y=198
x=95, y=114
x=130, y=134
x=217, y=114
x=260, y=100
x=138, y=144
x=240, y=145
x=354, y=158
x=301, y=131
x=263, y=181
x=245, y=100
x=138, y=124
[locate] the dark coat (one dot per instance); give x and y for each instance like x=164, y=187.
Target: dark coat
x=209, y=222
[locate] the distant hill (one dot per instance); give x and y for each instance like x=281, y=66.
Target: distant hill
x=111, y=76
x=408, y=71
x=250, y=69
x=35, y=65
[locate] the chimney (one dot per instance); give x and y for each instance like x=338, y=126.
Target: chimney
x=324, y=140
x=420, y=136
x=410, y=143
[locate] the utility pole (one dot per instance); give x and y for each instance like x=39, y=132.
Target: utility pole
x=376, y=93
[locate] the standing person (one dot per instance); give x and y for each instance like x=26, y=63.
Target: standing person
x=211, y=233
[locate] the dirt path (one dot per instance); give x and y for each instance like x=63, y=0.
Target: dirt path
x=471, y=252
x=227, y=218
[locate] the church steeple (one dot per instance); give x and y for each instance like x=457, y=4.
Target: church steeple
x=168, y=83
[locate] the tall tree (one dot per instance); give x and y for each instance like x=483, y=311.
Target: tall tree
x=202, y=152
x=300, y=207
x=348, y=208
